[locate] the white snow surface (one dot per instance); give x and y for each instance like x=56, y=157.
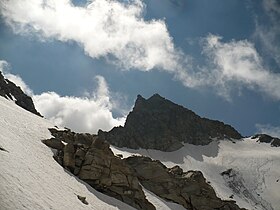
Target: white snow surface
x=160, y=203
x=256, y=167
x=29, y=176
x=31, y=179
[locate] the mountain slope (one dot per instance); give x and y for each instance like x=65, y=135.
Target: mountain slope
x=91, y=159
x=157, y=123
x=30, y=178
x=246, y=170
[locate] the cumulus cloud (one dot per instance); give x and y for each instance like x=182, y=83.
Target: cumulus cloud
x=117, y=30
x=90, y=113
x=81, y=114
x=269, y=129
x=102, y=28
x=237, y=64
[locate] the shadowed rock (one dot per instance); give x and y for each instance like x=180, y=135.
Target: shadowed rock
x=82, y=199
x=189, y=189
x=12, y=92
x=264, y=138
x=157, y=123
x=91, y=159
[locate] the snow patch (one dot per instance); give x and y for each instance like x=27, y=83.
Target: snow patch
x=30, y=178
x=160, y=203
x=256, y=167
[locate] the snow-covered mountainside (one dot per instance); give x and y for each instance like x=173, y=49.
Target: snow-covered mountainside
x=246, y=171
x=29, y=176
x=31, y=179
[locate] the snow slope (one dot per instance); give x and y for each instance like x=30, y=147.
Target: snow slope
x=255, y=179
x=29, y=176
x=160, y=203
x=31, y=179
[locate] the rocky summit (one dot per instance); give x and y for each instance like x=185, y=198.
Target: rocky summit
x=157, y=123
x=12, y=92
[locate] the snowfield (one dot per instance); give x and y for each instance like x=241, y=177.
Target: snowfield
x=31, y=179
x=254, y=181
x=29, y=176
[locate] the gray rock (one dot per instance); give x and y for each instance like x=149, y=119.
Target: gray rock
x=157, y=123
x=122, y=178
x=82, y=199
x=10, y=91
x=188, y=189
x=68, y=157
x=54, y=143
x=96, y=164
x=264, y=138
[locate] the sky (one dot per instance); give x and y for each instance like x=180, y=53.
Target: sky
x=84, y=62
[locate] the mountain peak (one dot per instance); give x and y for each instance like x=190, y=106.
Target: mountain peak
x=156, y=96
x=157, y=123
x=152, y=101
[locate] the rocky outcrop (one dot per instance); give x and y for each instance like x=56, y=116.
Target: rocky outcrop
x=189, y=189
x=12, y=92
x=264, y=138
x=157, y=123
x=90, y=158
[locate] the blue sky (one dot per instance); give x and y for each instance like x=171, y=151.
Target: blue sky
x=220, y=59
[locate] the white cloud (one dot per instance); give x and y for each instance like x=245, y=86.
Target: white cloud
x=112, y=28
x=269, y=129
x=102, y=28
x=4, y=68
x=82, y=114
x=237, y=64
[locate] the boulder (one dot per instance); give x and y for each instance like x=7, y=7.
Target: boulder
x=54, y=143
x=82, y=199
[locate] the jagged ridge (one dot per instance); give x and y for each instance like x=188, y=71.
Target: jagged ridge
x=157, y=123
x=12, y=92
x=91, y=159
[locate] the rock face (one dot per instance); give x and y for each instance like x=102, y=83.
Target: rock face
x=189, y=189
x=90, y=158
x=264, y=138
x=157, y=123
x=12, y=92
